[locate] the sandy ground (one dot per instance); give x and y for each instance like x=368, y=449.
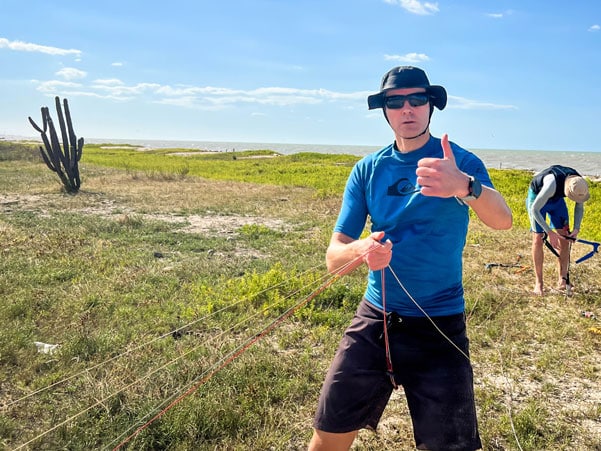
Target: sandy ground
x=207, y=225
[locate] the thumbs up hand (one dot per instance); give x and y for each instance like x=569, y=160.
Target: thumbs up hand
x=441, y=177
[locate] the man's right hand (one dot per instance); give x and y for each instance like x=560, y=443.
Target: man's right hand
x=379, y=254
x=555, y=238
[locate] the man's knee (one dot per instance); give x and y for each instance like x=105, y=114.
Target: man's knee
x=537, y=238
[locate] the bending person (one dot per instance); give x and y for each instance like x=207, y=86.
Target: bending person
x=546, y=198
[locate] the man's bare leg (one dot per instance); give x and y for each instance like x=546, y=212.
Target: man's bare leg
x=328, y=441
x=537, y=259
x=564, y=262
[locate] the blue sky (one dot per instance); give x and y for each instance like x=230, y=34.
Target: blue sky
x=519, y=74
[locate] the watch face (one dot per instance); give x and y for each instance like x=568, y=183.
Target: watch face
x=475, y=187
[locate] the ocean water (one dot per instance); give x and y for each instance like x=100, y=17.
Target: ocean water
x=587, y=163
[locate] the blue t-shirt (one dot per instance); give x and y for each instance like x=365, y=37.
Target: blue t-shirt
x=428, y=233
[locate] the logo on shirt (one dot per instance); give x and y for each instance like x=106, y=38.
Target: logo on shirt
x=402, y=187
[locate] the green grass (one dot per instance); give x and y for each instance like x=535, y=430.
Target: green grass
x=260, y=166
x=164, y=267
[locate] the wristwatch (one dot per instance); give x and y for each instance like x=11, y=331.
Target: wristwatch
x=475, y=189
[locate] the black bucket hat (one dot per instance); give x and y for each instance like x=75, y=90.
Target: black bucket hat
x=408, y=77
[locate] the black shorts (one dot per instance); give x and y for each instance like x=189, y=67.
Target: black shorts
x=436, y=377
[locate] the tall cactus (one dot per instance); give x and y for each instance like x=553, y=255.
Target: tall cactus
x=62, y=160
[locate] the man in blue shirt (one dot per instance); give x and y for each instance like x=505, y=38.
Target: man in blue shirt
x=409, y=329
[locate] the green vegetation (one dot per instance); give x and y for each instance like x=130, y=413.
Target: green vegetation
x=165, y=267
x=324, y=173
x=10, y=151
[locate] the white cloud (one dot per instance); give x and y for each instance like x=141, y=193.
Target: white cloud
x=109, y=81
x=509, y=12
x=595, y=27
x=117, y=64
x=461, y=103
x=20, y=46
x=54, y=86
x=116, y=89
x=200, y=97
x=184, y=101
x=210, y=97
x=70, y=73
x=415, y=6
x=408, y=58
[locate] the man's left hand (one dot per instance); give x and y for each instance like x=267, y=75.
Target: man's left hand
x=441, y=177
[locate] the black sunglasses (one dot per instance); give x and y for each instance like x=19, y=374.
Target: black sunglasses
x=415, y=99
